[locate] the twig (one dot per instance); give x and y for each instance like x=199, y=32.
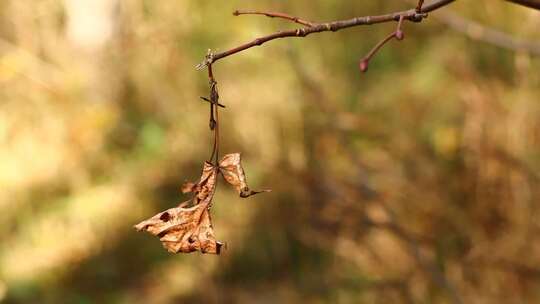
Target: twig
x=214, y=113
x=398, y=34
x=275, y=15
x=411, y=15
x=419, y=6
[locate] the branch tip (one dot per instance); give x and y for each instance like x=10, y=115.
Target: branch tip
x=207, y=62
x=399, y=35
x=364, y=65
x=275, y=15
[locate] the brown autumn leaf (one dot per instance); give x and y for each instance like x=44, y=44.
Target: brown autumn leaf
x=188, y=229
x=232, y=171
x=205, y=187
x=184, y=229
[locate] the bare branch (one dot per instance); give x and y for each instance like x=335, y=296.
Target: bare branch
x=275, y=15
x=398, y=34
x=411, y=15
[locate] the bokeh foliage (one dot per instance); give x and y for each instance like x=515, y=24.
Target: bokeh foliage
x=413, y=183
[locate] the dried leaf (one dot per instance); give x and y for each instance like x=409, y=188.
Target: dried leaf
x=204, y=188
x=184, y=229
x=188, y=229
x=233, y=173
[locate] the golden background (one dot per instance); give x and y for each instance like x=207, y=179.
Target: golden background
x=418, y=182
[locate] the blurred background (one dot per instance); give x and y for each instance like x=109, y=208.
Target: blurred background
x=417, y=182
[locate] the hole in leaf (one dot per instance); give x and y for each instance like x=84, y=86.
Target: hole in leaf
x=165, y=216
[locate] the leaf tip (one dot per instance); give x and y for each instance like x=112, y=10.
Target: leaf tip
x=244, y=193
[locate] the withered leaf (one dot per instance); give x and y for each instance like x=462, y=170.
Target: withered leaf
x=232, y=171
x=188, y=229
x=184, y=229
x=204, y=188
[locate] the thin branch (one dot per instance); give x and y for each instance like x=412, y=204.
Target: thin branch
x=275, y=15
x=214, y=114
x=411, y=15
x=419, y=6
x=216, y=135
x=398, y=34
